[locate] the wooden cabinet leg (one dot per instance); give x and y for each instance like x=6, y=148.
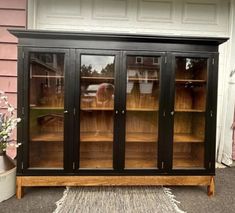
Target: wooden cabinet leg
x=211, y=187
x=19, y=188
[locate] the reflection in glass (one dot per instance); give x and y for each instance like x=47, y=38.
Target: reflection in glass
x=96, y=115
x=97, y=66
x=191, y=68
x=46, y=110
x=190, y=106
x=142, y=103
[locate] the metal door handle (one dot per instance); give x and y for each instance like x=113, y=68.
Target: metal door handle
x=172, y=112
x=66, y=112
x=116, y=112
x=123, y=112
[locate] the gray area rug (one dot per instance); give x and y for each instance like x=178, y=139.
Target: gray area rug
x=117, y=200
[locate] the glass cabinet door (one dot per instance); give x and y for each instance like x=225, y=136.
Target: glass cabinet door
x=46, y=110
x=142, y=105
x=97, y=89
x=190, y=107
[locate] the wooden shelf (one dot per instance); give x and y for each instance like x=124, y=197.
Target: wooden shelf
x=46, y=164
x=97, y=109
x=96, y=137
x=143, y=109
x=48, y=137
x=141, y=137
x=110, y=109
x=108, y=137
x=186, y=162
x=47, y=76
x=189, y=110
x=96, y=78
x=112, y=78
x=129, y=163
x=189, y=81
x=140, y=163
x=187, y=138
x=96, y=163
x=46, y=108
x=142, y=79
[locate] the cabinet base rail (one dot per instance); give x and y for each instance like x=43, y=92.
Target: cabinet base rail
x=31, y=181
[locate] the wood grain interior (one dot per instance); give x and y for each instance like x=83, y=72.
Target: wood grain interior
x=187, y=155
x=190, y=98
x=96, y=121
x=46, y=155
x=189, y=123
x=96, y=126
x=190, y=106
x=188, y=147
x=96, y=155
x=96, y=137
x=142, y=93
x=143, y=125
x=142, y=102
x=46, y=80
x=141, y=122
x=141, y=155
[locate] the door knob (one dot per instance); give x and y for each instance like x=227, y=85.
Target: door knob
x=116, y=111
x=66, y=112
x=172, y=112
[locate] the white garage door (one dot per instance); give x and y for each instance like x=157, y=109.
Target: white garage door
x=200, y=17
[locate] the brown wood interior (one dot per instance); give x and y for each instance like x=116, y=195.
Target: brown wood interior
x=46, y=110
x=96, y=124
x=141, y=155
x=96, y=155
x=190, y=98
x=189, y=119
x=187, y=155
x=46, y=81
x=188, y=146
x=144, y=125
x=46, y=155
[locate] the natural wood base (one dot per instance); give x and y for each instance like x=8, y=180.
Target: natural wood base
x=211, y=187
x=30, y=181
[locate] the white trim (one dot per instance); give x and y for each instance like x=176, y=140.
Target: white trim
x=224, y=149
x=32, y=14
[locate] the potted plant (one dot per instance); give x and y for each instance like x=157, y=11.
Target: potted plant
x=8, y=123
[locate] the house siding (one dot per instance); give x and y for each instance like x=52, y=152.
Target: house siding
x=12, y=15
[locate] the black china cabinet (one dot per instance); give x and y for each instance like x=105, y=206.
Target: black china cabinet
x=116, y=109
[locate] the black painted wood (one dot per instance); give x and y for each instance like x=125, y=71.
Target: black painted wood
x=20, y=111
x=24, y=72
x=42, y=34
x=121, y=45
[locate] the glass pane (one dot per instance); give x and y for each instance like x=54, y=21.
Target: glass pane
x=142, y=103
x=97, y=111
x=46, y=117
x=190, y=106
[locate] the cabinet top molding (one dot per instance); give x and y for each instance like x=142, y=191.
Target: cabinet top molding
x=43, y=34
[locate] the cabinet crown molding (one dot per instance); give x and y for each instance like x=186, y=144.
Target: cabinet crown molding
x=44, y=34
